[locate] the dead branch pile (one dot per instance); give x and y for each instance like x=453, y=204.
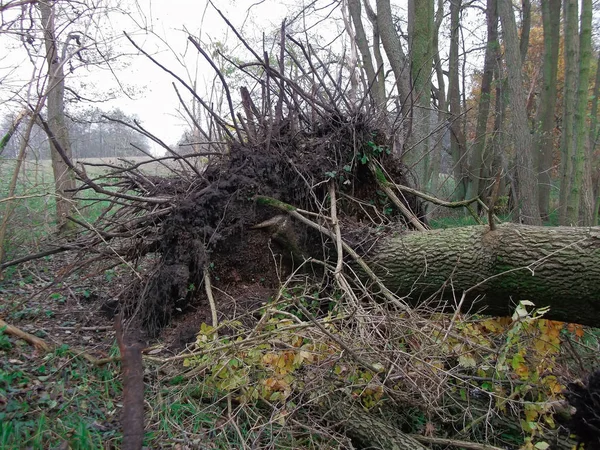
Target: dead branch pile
x=289, y=140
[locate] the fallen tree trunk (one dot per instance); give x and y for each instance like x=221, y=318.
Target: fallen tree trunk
x=557, y=267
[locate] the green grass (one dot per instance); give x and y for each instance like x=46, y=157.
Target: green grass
x=56, y=399
x=33, y=218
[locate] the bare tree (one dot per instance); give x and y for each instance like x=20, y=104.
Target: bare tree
x=64, y=178
x=527, y=186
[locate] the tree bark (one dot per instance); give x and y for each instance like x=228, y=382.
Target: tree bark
x=567, y=143
x=363, y=46
x=527, y=194
x=379, y=67
x=398, y=62
x=420, y=39
x=440, y=91
x=595, y=177
x=367, y=429
x=393, y=50
x=64, y=179
x=478, y=160
x=555, y=267
x=525, y=28
x=545, y=119
x=457, y=137
x=578, y=193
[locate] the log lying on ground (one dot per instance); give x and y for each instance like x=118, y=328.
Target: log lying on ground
x=557, y=267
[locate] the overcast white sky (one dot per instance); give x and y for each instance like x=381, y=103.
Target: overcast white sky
x=159, y=26
x=157, y=104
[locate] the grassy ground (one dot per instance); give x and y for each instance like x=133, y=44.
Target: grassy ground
x=62, y=400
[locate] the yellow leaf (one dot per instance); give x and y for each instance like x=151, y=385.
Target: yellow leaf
x=467, y=360
x=270, y=358
x=307, y=356
x=531, y=412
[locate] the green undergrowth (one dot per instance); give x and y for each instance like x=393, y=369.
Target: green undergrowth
x=520, y=375
x=56, y=399
x=261, y=387
x=33, y=212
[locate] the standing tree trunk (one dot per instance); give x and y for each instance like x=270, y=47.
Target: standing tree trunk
x=457, y=138
x=398, y=62
x=595, y=176
x=420, y=38
x=578, y=194
x=64, y=179
x=380, y=72
x=525, y=28
x=527, y=186
x=363, y=46
x=567, y=142
x=393, y=50
x=438, y=148
x=545, y=119
x=477, y=163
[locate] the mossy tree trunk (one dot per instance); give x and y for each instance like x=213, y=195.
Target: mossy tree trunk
x=556, y=267
x=580, y=192
x=567, y=143
x=547, y=108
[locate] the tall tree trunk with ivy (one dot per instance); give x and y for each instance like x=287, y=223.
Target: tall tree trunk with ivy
x=527, y=186
x=545, y=118
x=64, y=179
x=580, y=197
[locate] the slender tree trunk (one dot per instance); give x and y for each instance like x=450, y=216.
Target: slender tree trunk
x=545, y=119
x=567, y=143
x=595, y=176
x=437, y=150
x=352, y=60
x=393, y=49
x=457, y=137
x=525, y=28
x=379, y=68
x=527, y=185
x=354, y=9
x=580, y=193
x=398, y=62
x=64, y=179
x=477, y=159
x=495, y=158
x=420, y=35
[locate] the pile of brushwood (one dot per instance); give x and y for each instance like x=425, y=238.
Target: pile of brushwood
x=266, y=227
